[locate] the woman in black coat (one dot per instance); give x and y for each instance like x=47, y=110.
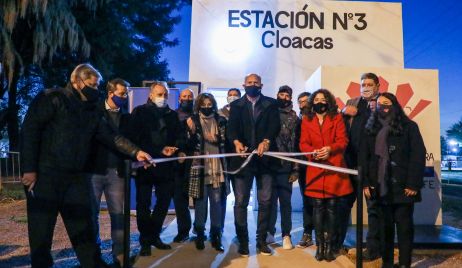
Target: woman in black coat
x=393, y=160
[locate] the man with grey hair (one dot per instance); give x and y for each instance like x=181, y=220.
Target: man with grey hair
x=156, y=129
x=56, y=137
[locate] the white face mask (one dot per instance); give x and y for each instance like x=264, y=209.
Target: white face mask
x=367, y=92
x=160, y=102
x=232, y=98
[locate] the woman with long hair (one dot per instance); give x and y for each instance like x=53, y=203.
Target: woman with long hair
x=323, y=132
x=393, y=159
x=207, y=181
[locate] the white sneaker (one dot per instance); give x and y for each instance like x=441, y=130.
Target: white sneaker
x=287, y=243
x=270, y=239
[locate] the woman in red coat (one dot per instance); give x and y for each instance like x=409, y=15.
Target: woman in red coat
x=323, y=132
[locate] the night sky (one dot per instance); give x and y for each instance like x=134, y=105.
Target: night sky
x=432, y=40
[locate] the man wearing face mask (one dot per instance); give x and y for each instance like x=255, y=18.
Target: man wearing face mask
x=253, y=125
x=233, y=94
x=155, y=128
x=107, y=166
x=180, y=195
x=288, y=172
x=356, y=114
x=307, y=237
x=56, y=139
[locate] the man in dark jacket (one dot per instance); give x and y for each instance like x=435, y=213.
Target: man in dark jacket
x=156, y=129
x=307, y=238
x=253, y=125
x=288, y=173
x=180, y=195
x=107, y=166
x=56, y=138
x=356, y=113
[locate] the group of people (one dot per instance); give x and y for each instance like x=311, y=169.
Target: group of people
x=73, y=149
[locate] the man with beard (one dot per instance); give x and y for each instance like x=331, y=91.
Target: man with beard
x=286, y=141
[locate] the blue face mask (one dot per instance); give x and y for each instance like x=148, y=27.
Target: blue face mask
x=119, y=101
x=253, y=91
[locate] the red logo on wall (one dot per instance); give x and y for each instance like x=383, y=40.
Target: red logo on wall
x=403, y=93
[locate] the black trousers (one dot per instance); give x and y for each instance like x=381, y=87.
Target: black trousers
x=401, y=217
x=308, y=225
x=150, y=222
x=373, y=233
x=72, y=197
x=181, y=202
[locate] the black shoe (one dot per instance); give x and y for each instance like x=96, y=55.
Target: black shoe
x=145, y=250
x=263, y=248
x=181, y=238
x=243, y=249
x=159, y=244
x=200, y=242
x=305, y=241
x=370, y=255
x=216, y=243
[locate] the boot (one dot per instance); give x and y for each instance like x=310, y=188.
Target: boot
x=320, y=245
x=329, y=253
x=200, y=239
x=216, y=242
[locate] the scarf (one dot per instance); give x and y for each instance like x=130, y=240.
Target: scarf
x=213, y=170
x=381, y=150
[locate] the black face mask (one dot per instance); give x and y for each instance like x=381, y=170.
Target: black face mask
x=253, y=91
x=320, y=107
x=384, y=110
x=206, y=110
x=282, y=103
x=91, y=94
x=187, y=105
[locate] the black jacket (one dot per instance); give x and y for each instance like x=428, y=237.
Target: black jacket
x=406, y=164
x=100, y=153
x=58, y=130
x=152, y=129
x=252, y=131
x=355, y=129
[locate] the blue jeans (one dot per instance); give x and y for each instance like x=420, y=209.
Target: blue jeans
x=282, y=191
x=113, y=187
x=242, y=188
x=216, y=197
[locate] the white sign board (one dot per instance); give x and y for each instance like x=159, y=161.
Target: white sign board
x=285, y=41
x=417, y=92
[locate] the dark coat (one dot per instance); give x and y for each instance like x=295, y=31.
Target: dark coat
x=406, y=165
x=196, y=175
x=252, y=131
x=58, y=130
x=152, y=129
x=288, y=139
x=100, y=153
x=355, y=128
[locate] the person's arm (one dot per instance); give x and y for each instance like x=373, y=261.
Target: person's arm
x=306, y=144
x=40, y=112
x=416, y=165
x=274, y=126
x=340, y=138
